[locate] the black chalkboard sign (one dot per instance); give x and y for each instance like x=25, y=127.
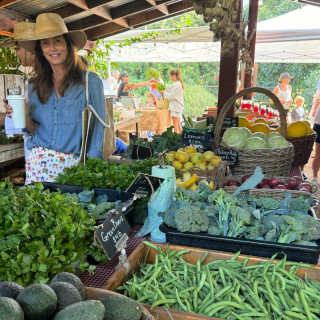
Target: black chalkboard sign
x=199, y=139
x=145, y=185
x=230, y=122
x=231, y=156
x=141, y=153
x=113, y=233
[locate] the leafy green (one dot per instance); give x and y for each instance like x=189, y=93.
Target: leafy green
x=104, y=174
x=161, y=86
x=152, y=73
x=41, y=234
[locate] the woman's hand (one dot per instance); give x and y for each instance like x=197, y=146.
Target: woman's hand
x=151, y=82
x=161, y=91
x=9, y=109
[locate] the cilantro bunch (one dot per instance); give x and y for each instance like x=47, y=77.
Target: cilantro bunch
x=104, y=174
x=41, y=234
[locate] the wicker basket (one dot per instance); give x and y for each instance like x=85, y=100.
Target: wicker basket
x=274, y=193
x=275, y=162
x=302, y=148
x=162, y=103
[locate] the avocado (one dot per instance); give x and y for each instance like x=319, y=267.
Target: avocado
x=121, y=308
x=10, y=309
x=84, y=310
x=38, y=301
x=10, y=289
x=72, y=279
x=67, y=294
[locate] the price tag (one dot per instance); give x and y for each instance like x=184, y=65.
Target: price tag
x=145, y=185
x=228, y=155
x=113, y=233
x=197, y=139
x=230, y=122
x=141, y=153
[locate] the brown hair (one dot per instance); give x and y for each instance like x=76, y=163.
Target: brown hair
x=43, y=81
x=177, y=73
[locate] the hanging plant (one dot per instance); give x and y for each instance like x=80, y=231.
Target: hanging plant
x=222, y=14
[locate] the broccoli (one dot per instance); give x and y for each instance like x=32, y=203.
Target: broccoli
x=255, y=231
x=267, y=203
x=312, y=226
x=301, y=204
x=169, y=217
x=191, y=219
x=215, y=230
x=210, y=211
x=306, y=243
x=240, y=218
x=186, y=195
x=204, y=191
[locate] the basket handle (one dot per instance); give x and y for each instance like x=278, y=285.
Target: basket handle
x=230, y=104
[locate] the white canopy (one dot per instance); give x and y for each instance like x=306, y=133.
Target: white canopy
x=292, y=37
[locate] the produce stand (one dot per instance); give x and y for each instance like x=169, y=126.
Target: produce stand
x=124, y=124
x=157, y=120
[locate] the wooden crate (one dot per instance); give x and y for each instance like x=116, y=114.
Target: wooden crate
x=138, y=255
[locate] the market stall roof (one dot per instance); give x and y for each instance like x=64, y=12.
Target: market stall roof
x=97, y=18
x=292, y=37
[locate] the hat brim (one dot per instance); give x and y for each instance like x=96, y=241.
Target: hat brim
x=79, y=39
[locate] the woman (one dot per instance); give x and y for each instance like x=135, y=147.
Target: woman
x=125, y=88
x=174, y=93
x=283, y=92
x=57, y=98
x=316, y=159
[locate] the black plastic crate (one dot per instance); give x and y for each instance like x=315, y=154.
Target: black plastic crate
x=113, y=195
x=258, y=248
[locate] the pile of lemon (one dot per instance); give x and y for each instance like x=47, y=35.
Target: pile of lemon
x=296, y=129
x=188, y=158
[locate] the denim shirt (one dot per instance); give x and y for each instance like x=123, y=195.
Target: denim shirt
x=60, y=121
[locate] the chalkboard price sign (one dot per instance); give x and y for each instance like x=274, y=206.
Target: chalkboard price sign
x=230, y=122
x=231, y=156
x=199, y=139
x=141, y=153
x=113, y=233
x=145, y=185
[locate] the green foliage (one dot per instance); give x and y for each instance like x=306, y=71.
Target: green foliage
x=9, y=61
x=161, y=86
x=196, y=100
x=152, y=73
x=104, y=174
x=41, y=233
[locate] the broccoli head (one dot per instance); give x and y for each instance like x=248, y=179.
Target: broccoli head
x=182, y=194
x=204, y=191
x=301, y=204
x=169, y=217
x=267, y=203
x=192, y=219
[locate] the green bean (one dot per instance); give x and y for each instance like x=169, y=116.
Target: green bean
x=304, y=304
x=235, y=256
x=295, y=315
x=164, y=301
x=240, y=317
x=202, y=281
x=223, y=303
x=223, y=291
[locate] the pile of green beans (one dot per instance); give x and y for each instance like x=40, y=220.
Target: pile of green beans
x=227, y=289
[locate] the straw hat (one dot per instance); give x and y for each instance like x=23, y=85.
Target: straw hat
x=50, y=25
x=21, y=31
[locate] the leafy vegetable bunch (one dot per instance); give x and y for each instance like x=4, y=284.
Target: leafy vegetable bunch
x=104, y=174
x=152, y=73
x=42, y=234
x=161, y=86
x=168, y=140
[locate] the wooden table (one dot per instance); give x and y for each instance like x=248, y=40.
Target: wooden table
x=157, y=120
x=9, y=152
x=123, y=124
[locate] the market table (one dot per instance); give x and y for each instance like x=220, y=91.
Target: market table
x=12, y=151
x=131, y=122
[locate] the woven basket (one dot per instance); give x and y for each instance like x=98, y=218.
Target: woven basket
x=162, y=103
x=274, y=193
x=275, y=162
x=302, y=148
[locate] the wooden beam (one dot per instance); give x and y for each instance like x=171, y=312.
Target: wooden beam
x=130, y=8
x=98, y=3
x=5, y=3
x=86, y=23
x=67, y=11
x=103, y=31
x=13, y=15
x=163, y=8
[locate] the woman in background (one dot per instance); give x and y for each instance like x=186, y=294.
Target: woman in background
x=174, y=93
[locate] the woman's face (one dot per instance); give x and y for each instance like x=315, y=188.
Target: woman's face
x=25, y=57
x=55, y=50
x=286, y=80
x=173, y=77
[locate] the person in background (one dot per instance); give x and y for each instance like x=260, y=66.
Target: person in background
x=297, y=114
x=153, y=88
x=174, y=93
x=110, y=83
x=315, y=103
x=116, y=74
x=125, y=88
x=316, y=159
x=57, y=97
x=21, y=31
x=283, y=91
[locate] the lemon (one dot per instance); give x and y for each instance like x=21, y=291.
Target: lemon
x=307, y=123
x=180, y=149
x=177, y=165
x=182, y=156
x=215, y=161
x=204, y=161
x=260, y=127
x=170, y=157
x=196, y=158
x=243, y=122
x=208, y=155
x=172, y=152
x=310, y=130
x=200, y=166
x=188, y=165
x=297, y=129
x=190, y=149
x=259, y=120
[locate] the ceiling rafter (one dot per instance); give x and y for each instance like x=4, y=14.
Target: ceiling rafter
x=67, y=11
x=5, y=3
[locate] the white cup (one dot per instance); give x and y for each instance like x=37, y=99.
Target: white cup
x=17, y=102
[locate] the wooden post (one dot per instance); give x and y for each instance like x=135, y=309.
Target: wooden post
x=252, y=27
x=229, y=72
